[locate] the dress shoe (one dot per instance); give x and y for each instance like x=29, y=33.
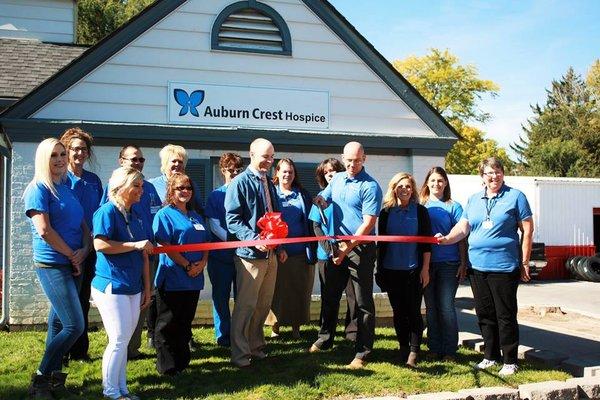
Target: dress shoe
x=357, y=363
x=314, y=349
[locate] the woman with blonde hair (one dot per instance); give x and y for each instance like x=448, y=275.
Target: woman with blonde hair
x=121, y=286
x=88, y=189
x=60, y=246
x=403, y=268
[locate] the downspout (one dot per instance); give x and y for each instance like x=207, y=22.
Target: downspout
x=5, y=242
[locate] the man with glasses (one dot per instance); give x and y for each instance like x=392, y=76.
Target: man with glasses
x=131, y=156
x=249, y=196
x=221, y=269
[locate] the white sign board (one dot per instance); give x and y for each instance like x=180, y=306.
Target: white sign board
x=208, y=104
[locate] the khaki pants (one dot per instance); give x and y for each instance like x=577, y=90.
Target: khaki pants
x=255, y=281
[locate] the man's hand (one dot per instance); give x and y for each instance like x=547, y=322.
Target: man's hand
x=282, y=256
x=525, y=277
x=262, y=248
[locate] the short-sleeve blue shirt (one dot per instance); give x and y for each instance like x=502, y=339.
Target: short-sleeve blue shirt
x=123, y=271
x=292, y=212
x=160, y=184
x=88, y=189
x=147, y=207
x=352, y=197
x=494, y=247
x=174, y=227
x=404, y=222
x=215, y=208
x=443, y=216
x=65, y=215
x=327, y=228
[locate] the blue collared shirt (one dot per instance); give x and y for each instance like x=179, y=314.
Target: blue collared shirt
x=494, y=245
x=352, y=197
x=403, y=222
x=160, y=184
x=88, y=189
x=215, y=208
x=292, y=212
x=443, y=216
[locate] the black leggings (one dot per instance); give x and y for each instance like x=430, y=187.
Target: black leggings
x=405, y=293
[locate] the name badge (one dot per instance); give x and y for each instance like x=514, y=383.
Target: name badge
x=154, y=209
x=487, y=224
x=199, y=227
x=285, y=204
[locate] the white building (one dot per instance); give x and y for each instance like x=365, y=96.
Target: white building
x=210, y=75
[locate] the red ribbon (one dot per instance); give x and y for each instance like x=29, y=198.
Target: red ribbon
x=272, y=227
x=277, y=242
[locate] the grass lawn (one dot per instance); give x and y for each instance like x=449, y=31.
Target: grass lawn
x=289, y=372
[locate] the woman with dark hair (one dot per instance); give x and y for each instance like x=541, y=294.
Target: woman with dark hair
x=403, y=268
x=179, y=277
x=221, y=269
x=448, y=266
x=293, y=287
x=88, y=189
x=492, y=219
x=60, y=245
x=324, y=173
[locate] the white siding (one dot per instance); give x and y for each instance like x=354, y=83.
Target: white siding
x=132, y=85
x=45, y=20
x=562, y=207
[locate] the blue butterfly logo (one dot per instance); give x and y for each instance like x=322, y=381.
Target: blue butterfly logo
x=189, y=102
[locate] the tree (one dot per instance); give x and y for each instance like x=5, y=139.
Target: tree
x=99, y=18
x=455, y=90
x=593, y=79
x=563, y=136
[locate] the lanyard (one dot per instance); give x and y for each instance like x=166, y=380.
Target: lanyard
x=489, y=204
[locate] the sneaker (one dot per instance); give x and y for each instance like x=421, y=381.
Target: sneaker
x=508, y=369
x=485, y=364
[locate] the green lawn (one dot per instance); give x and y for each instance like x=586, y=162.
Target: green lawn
x=288, y=373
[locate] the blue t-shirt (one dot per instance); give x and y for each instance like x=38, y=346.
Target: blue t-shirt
x=65, y=215
x=123, y=271
x=160, y=184
x=327, y=228
x=292, y=212
x=352, y=198
x=147, y=207
x=494, y=239
x=88, y=189
x=443, y=216
x=404, y=222
x=215, y=208
x=174, y=227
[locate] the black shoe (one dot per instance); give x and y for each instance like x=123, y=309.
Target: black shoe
x=57, y=385
x=40, y=387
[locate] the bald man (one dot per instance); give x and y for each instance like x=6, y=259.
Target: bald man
x=248, y=197
x=356, y=199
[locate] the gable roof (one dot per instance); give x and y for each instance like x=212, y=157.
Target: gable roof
x=98, y=54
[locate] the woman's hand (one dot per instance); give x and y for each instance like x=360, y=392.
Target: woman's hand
x=461, y=274
x=525, y=277
x=146, y=294
x=76, y=269
x=144, y=245
x=425, y=277
x=197, y=268
x=441, y=238
x=78, y=256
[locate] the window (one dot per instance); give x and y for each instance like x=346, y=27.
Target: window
x=251, y=26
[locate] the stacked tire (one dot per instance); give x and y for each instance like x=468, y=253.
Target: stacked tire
x=584, y=268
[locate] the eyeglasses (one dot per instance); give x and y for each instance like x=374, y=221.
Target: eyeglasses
x=79, y=149
x=493, y=173
x=135, y=159
x=182, y=188
x=233, y=170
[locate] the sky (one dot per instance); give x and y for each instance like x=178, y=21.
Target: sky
x=520, y=45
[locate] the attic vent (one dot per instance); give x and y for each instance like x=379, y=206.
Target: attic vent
x=250, y=26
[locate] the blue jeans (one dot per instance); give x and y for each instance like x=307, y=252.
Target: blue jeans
x=442, y=327
x=222, y=279
x=65, y=321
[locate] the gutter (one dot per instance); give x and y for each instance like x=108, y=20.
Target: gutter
x=5, y=242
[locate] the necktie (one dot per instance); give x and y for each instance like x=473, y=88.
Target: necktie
x=265, y=186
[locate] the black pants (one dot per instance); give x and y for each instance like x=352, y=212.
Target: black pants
x=79, y=350
x=405, y=293
x=350, y=322
x=495, y=297
x=173, y=330
x=358, y=267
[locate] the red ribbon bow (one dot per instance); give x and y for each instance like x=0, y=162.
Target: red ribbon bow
x=272, y=227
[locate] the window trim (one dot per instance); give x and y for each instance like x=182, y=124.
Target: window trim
x=263, y=8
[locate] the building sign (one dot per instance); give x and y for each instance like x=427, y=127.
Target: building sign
x=207, y=104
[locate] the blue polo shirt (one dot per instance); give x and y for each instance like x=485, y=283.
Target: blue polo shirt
x=160, y=184
x=443, y=216
x=292, y=212
x=404, y=222
x=147, y=207
x=215, y=208
x=494, y=246
x=88, y=189
x=123, y=271
x=328, y=228
x=352, y=197
x=65, y=215
x=174, y=227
